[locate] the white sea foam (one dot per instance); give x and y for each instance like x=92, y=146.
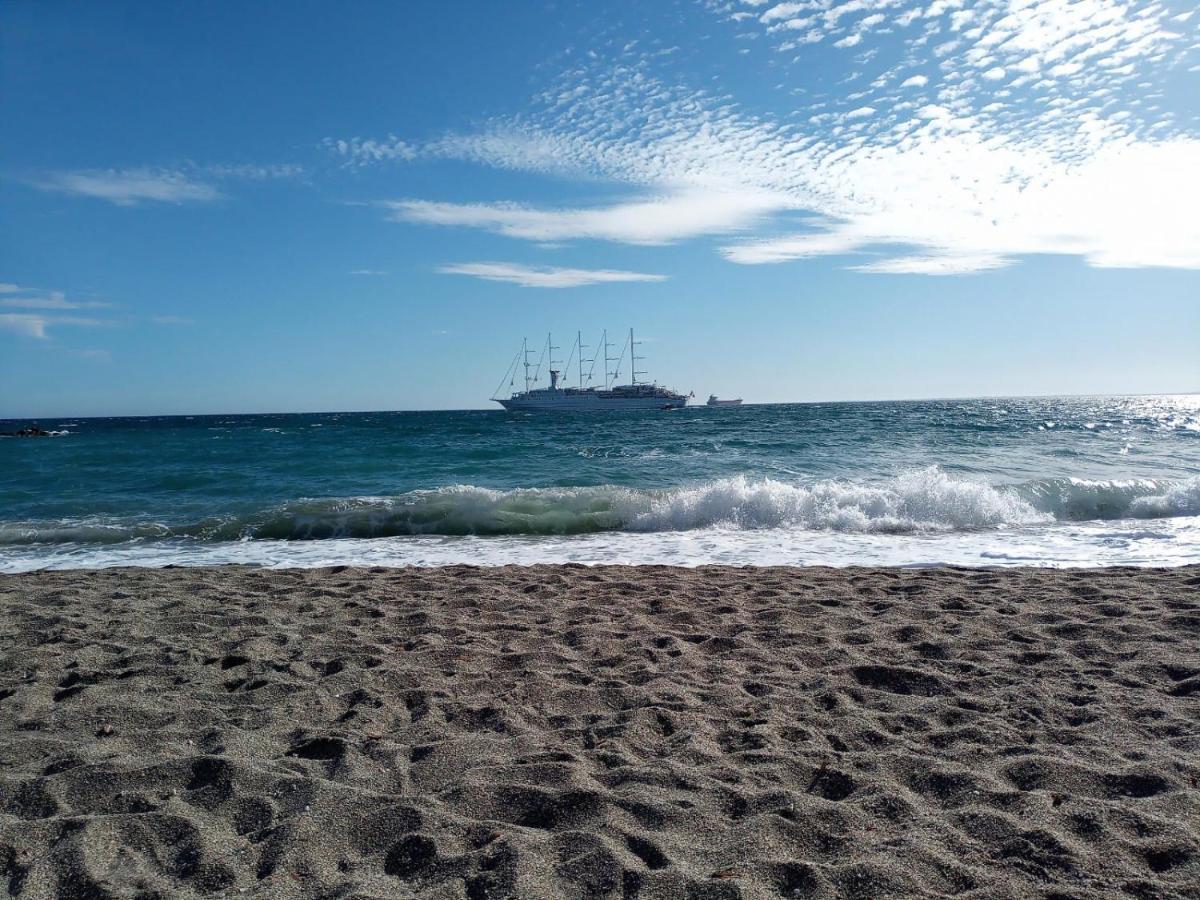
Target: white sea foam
x=928, y=500
x=923, y=502
x=1172, y=542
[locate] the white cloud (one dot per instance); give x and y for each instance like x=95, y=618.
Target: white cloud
x=46, y=309
x=654, y=220
x=24, y=324
x=798, y=24
x=850, y=40
x=1110, y=209
x=253, y=172
x=940, y=7
x=188, y=183
x=936, y=264
x=795, y=246
x=50, y=300
x=37, y=326
x=363, y=151
x=1064, y=69
x=544, y=276
x=127, y=187
x=783, y=11
x=371, y=272
x=962, y=174
x=959, y=195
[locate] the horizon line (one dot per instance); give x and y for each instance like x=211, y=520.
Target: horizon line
x=331, y=412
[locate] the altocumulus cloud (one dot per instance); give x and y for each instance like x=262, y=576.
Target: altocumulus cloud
x=544, y=277
x=1039, y=134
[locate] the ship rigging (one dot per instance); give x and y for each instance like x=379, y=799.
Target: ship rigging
x=587, y=394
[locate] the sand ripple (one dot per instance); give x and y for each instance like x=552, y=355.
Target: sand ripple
x=609, y=732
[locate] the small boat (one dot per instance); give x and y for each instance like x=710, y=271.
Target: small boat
x=713, y=401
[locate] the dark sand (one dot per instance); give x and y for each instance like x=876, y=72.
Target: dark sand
x=609, y=732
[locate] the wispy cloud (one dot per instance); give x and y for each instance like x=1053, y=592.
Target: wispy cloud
x=129, y=187
x=34, y=299
x=25, y=324
x=659, y=219
x=953, y=263
x=188, y=183
x=42, y=311
x=37, y=326
x=544, y=277
x=368, y=272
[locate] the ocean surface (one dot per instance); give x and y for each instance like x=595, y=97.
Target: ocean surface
x=1086, y=481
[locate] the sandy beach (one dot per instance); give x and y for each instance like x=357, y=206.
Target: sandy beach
x=600, y=732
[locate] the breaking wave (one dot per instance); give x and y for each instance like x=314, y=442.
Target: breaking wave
x=927, y=501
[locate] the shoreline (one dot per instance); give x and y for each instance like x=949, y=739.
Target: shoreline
x=616, y=731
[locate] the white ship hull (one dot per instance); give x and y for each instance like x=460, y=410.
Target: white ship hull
x=631, y=397
x=587, y=401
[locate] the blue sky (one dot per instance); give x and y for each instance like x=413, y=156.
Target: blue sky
x=263, y=207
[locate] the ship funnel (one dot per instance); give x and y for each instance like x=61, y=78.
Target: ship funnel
x=554, y=373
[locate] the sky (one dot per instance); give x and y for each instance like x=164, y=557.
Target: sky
x=260, y=207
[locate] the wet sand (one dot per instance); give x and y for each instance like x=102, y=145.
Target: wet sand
x=611, y=732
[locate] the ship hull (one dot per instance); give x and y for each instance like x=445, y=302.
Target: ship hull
x=586, y=402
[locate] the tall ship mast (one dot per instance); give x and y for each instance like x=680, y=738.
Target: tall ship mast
x=588, y=393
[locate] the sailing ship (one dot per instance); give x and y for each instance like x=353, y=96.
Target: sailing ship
x=586, y=395
x=713, y=401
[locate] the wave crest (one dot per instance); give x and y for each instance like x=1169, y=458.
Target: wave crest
x=927, y=501
x=1182, y=499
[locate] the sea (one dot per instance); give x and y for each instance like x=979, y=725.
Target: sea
x=1078, y=481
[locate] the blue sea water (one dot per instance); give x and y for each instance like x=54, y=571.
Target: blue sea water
x=1054, y=481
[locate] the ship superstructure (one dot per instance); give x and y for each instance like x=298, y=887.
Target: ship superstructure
x=585, y=395
x=713, y=400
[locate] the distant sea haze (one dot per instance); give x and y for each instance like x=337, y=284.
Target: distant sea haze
x=1069, y=481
